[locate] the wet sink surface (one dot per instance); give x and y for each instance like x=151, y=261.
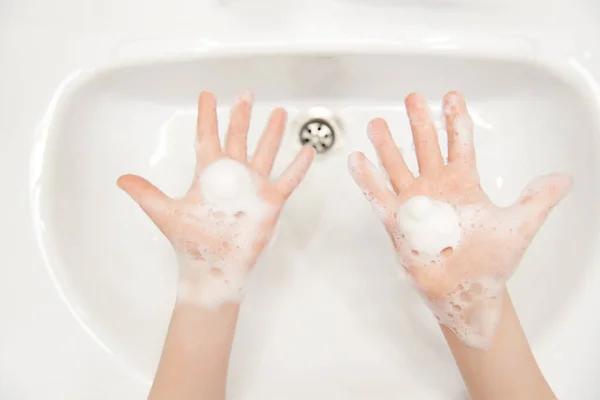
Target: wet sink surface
x=326, y=302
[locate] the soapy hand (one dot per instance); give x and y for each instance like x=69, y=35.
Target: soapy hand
x=221, y=226
x=458, y=247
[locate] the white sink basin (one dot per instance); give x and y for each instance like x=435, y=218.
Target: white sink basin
x=325, y=316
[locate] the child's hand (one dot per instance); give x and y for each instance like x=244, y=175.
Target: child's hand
x=221, y=226
x=463, y=283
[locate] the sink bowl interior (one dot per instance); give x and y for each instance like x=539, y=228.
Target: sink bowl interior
x=325, y=302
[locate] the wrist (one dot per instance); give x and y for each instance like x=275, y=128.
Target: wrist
x=476, y=317
x=471, y=311
x=198, y=327
x=196, y=354
x=210, y=288
x=507, y=368
x=195, y=311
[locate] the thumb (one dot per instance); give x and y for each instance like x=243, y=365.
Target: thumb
x=539, y=198
x=372, y=183
x=150, y=198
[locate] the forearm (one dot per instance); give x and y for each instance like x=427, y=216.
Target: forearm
x=507, y=370
x=196, y=354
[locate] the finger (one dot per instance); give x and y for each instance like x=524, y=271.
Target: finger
x=429, y=156
x=269, y=143
x=460, y=130
x=235, y=143
x=295, y=172
x=389, y=154
x=538, y=199
x=207, y=138
x=372, y=183
x=150, y=198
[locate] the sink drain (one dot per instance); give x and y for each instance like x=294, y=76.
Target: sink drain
x=319, y=133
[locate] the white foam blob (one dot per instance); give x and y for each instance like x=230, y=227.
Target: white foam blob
x=230, y=186
x=226, y=180
x=429, y=226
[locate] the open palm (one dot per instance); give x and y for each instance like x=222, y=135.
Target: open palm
x=463, y=285
x=217, y=247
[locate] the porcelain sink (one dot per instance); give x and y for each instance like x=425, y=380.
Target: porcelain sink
x=326, y=315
